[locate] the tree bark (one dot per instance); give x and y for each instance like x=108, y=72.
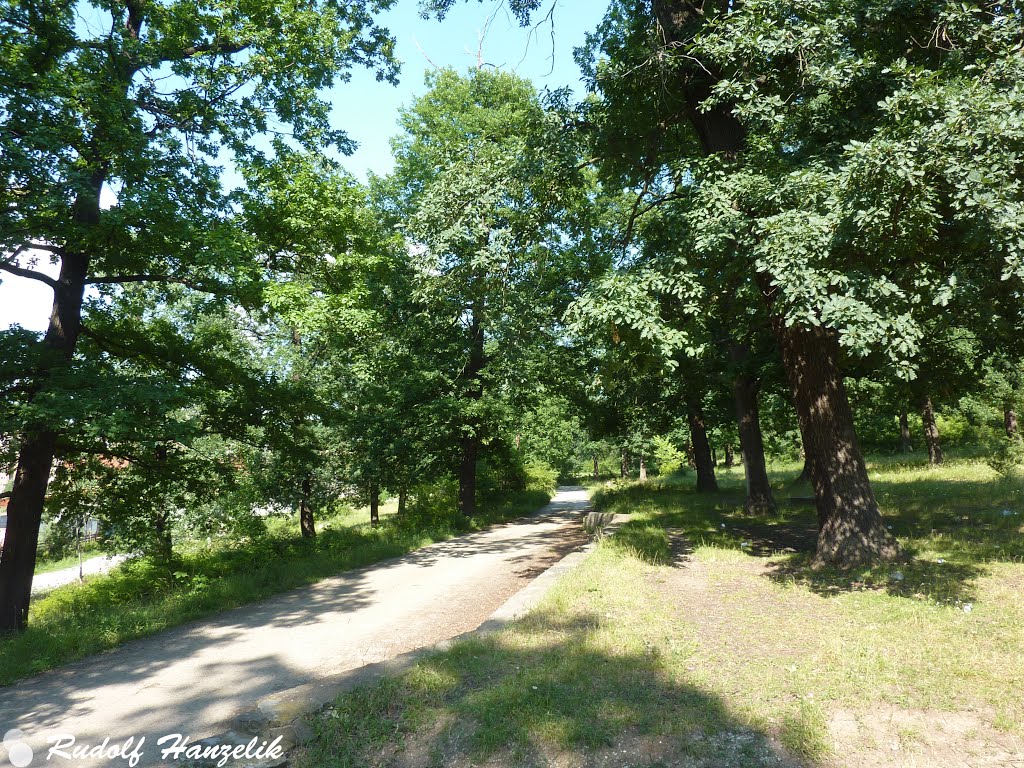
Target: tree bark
x=471, y=438
x=403, y=498
x=597, y=469
x=851, y=531
x=643, y=470
x=759, y=500
x=706, y=482
x=374, y=505
x=906, y=445
x=306, y=522
x=38, y=443
x=730, y=456
x=931, y=431
x=1010, y=420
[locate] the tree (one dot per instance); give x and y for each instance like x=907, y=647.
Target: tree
x=488, y=190
x=87, y=112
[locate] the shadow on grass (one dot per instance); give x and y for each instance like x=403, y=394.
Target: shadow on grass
x=953, y=529
x=554, y=689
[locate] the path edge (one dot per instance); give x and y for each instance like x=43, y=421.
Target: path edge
x=282, y=716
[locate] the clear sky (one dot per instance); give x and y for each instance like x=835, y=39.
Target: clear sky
x=368, y=110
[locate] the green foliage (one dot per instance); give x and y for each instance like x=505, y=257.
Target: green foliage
x=668, y=457
x=1008, y=458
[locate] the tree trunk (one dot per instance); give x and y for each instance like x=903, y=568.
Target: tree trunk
x=1010, y=420
x=471, y=438
x=906, y=445
x=690, y=459
x=643, y=470
x=597, y=469
x=706, y=482
x=38, y=443
x=805, y=473
x=850, y=528
x=931, y=431
x=403, y=498
x=164, y=551
x=730, y=456
x=306, y=522
x=759, y=500
x=374, y=505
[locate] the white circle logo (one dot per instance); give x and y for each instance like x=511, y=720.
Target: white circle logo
x=18, y=752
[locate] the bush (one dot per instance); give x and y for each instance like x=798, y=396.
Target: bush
x=1008, y=458
x=541, y=477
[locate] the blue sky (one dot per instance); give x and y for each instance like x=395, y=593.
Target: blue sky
x=368, y=110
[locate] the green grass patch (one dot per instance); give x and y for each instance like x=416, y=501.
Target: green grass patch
x=141, y=597
x=699, y=636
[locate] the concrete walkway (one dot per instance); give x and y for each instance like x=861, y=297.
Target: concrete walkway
x=195, y=679
x=44, y=582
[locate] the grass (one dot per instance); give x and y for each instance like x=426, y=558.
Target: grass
x=140, y=597
x=699, y=636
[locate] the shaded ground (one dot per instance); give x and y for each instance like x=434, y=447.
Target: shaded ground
x=699, y=637
x=194, y=679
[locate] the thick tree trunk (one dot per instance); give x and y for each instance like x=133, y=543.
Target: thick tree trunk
x=374, y=505
x=759, y=500
x=38, y=443
x=24, y=513
x=730, y=456
x=850, y=529
x=931, y=431
x=906, y=445
x=403, y=498
x=597, y=469
x=306, y=522
x=805, y=473
x=1010, y=420
x=643, y=470
x=706, y=482
x=471, y=439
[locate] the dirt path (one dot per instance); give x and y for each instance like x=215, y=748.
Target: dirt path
x=44, y=582
x=194, y=679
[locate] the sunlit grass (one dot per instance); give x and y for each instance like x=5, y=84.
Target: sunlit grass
x=687, y=638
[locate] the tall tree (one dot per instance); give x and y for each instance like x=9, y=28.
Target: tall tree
x=488, y=189
x=144, y=101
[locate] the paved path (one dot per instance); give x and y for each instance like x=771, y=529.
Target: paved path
x=44, y=582
x=194, y=679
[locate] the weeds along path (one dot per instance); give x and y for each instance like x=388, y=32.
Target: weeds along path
x=194, y=679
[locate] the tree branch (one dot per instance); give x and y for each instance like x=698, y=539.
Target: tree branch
x=122, y=279
x=31, y=274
